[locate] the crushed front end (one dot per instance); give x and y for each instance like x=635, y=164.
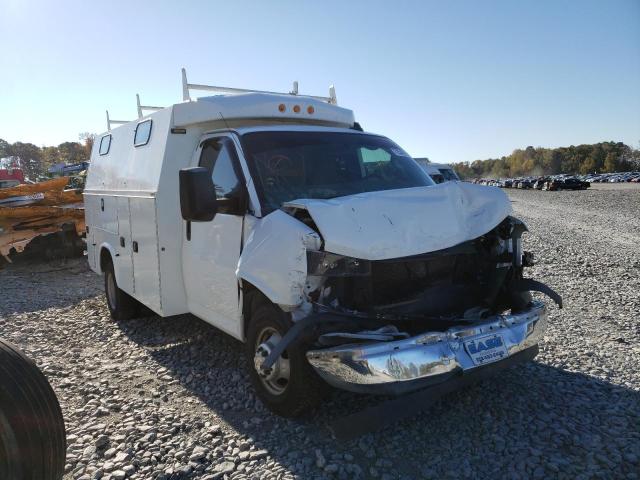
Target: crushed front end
x=391, y=326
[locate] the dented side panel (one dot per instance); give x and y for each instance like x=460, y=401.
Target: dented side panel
x=274, y=258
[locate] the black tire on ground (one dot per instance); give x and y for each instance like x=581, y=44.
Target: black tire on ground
x=304, y=389
x=32, y=434
x=122, y=306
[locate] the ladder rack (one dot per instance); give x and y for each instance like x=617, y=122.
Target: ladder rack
x=145, y=107
x=114, y=122
x=186, y=87
x=140, y=107
x=186, y=96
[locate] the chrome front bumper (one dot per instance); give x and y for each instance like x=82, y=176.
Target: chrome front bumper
x=427, y=359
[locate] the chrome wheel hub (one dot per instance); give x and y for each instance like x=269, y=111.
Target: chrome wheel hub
x=276, y=378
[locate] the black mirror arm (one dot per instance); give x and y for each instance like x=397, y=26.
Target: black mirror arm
x=230, y=203
x=236, y=205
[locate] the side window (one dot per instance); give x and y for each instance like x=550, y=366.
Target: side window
x=143, y=133
x=219, y=157
x=105, y=144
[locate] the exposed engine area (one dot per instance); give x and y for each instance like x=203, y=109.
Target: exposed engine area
x=414, y=300
x=465, y=282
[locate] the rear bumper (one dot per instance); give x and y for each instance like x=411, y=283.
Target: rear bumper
x=430, y=358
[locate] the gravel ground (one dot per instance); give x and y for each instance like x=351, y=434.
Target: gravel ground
x=169, y=398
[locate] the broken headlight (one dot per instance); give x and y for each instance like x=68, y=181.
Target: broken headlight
x=325, y=264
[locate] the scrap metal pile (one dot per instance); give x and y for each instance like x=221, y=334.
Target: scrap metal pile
x=46, y=215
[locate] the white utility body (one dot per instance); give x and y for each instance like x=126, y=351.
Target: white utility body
x=132, y=201
x=300, y=200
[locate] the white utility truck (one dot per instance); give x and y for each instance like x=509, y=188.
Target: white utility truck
x=327, y=250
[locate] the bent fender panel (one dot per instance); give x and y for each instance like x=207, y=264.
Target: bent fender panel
x=274, y=258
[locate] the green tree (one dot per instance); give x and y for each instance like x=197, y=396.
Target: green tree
x=30, y=159
x=590, y=165
x=610, y=162
x=599, y=157
x=5, y=148
x=87, y=139
x=50, y=157
x=71, y=152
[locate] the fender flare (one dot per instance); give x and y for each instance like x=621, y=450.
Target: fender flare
x=106, y=246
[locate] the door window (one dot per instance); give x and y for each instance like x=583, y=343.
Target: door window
x=219, y=157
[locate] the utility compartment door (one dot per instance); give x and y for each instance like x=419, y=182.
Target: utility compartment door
x=124, y=259
x=144, y=246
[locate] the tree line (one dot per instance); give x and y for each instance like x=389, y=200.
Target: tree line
x=597, y=158
x=35, y=161
x=600, y=157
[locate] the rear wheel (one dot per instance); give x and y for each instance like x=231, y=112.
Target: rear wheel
x=122, y=306
x=290, y=387
x=32, y=434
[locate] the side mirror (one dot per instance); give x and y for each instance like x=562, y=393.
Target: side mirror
x=197, y=195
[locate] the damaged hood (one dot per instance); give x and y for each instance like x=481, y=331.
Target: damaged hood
x=411, y=221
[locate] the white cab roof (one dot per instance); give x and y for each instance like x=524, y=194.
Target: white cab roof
x=263, y=106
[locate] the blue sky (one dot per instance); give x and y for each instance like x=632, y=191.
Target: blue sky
x=451, y=80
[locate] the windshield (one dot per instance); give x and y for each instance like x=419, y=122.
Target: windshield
x=291, y=165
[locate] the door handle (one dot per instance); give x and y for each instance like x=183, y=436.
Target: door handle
x=134, y=245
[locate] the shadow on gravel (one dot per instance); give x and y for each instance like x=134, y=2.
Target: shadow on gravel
x=533, y=414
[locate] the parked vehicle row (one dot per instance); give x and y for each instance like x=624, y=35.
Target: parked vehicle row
x=551, y=183
x=560, y=182
x=612, y=177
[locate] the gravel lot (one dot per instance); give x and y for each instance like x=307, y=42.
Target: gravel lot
x=169, y=398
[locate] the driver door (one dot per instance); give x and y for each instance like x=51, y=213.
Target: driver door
x=211, y=249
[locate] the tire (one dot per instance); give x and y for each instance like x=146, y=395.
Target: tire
x=122, y=306
x=32, y=434
x=304, y=389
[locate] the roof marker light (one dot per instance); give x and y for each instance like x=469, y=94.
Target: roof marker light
x=281, y=107
x=310, y=109
x=296, y=108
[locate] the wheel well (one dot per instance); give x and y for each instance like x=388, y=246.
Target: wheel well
x=105, y=258
x=248, y=294
x=251, y=298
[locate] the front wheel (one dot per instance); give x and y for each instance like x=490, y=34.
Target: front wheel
x=290, y=387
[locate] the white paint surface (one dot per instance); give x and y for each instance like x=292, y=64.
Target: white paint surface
x=401, y=223
x=274, y=258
